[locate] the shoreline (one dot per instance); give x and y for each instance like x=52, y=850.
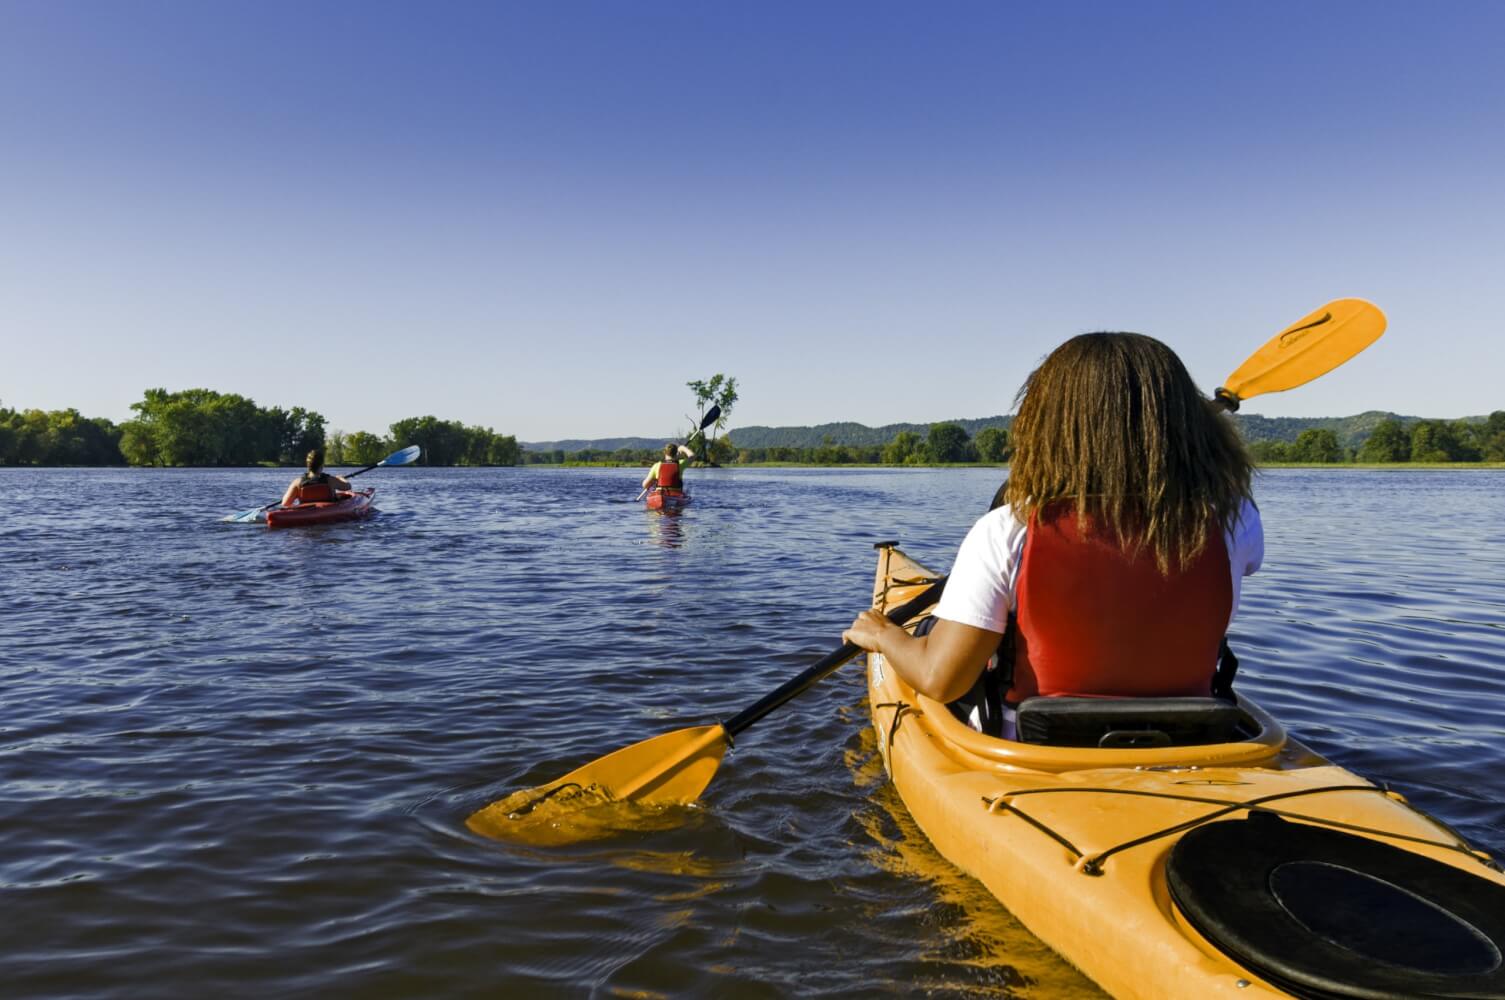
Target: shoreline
x=1258, y=466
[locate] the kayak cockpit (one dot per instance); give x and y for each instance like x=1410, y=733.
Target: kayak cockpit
x=1137, y=735
x=348, y=506
x=1126, y=723
x=1068, y=734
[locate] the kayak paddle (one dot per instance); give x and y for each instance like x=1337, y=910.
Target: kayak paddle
x=1313, y=345
x=406, y=456
x=710, y=416
x=677, y=766
x=673, y=767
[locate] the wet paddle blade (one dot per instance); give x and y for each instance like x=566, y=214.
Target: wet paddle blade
x=670, y=769
x=1314, y=345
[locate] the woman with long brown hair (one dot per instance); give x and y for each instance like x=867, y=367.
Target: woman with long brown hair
x=1111, y=562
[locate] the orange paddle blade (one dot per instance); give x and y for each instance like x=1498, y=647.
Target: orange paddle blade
x=670, y=769
x=1313, y=345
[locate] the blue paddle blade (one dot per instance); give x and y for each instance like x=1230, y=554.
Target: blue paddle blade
x=404, y=457
x=256, y=515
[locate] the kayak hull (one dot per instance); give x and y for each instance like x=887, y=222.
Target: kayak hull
x=667, y=500
x=1074, y=842
x=349, y=507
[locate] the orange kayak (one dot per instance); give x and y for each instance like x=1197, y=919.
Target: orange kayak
x=1192, y=849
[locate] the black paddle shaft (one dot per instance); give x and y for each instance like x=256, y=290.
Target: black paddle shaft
x=826, y=665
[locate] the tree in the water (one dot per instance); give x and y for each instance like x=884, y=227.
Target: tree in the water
x=716, y=391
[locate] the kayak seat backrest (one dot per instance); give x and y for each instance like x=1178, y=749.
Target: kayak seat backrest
x=1128, y=722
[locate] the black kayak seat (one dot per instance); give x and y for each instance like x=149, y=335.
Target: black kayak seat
x=1070, y=721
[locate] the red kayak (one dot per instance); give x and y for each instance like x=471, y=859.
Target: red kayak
x=349, y=507
x=665, y=499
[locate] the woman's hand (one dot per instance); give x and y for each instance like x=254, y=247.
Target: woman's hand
x=868, y=629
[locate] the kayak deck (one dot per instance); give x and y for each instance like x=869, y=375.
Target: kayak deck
x=1077, y=842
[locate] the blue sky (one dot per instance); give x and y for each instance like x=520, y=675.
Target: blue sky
x=547, y=217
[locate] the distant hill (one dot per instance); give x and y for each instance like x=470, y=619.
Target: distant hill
x=845, y=433
x=598, y=444
x=1351, y=432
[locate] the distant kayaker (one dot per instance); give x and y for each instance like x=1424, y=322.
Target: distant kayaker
x=1110, y=564
x=666, y=472
x=315, y=485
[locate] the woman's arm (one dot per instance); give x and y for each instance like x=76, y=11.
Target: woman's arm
x=292, y=491
x=942, y=665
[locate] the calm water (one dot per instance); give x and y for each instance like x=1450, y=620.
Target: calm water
x=237, y=762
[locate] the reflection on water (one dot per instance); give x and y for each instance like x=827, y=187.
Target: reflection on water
x=244, y=758
x=667, y=527
x=972, y=929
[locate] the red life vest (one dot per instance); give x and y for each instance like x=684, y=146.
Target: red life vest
x=669, y=477
x=1094, y=621
x=316, y=489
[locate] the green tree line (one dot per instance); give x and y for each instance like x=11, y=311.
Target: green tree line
x=201, y=427
x=57, y=437
x=1390, y=441
x=444, y=442
x=948, y=443
x=204, y=427
x=944, y=443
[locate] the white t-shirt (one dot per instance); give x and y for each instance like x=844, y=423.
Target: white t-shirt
x=981, y=591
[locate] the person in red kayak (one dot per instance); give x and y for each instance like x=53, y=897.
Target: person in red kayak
x=666, y=472
x=315, y=485
x=1110, y=564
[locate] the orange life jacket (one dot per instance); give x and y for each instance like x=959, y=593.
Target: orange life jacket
x=1094, y=621
x=316, y=488
x=669, y=477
